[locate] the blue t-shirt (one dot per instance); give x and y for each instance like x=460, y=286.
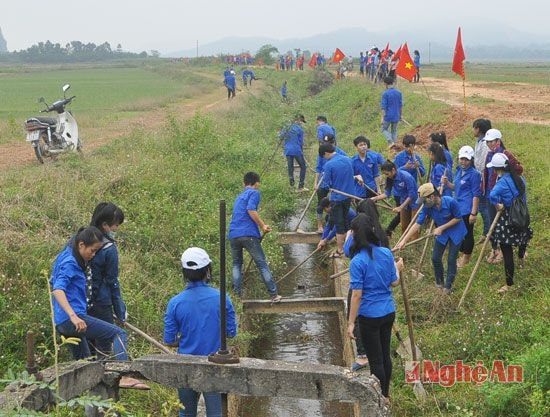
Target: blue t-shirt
x=448, y=211
x=283, y=90
x=401, y=160
x=293, y=136
x=229, y=81
x=368, y=169
x=241, y=223
x=404, y=186
x=449, y=158
x=325, y=129
x=505, y=191
x=373, y=277
x=320, y=167
x=435, y=178
x=391, y=103
x=339, y=175
x=194, y=316
x=467, y=186
x=68, y=275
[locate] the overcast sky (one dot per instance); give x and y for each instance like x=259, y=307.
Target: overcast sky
x=169, y=25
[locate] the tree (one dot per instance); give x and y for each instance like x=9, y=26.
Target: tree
x=265, y=54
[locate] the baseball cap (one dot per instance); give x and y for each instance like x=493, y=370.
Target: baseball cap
x=466, y=152
x=195, y=258
x=498, y=161
x=425, y=190
x=492, y=134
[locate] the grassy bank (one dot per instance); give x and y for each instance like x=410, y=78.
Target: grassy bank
x=170, y=187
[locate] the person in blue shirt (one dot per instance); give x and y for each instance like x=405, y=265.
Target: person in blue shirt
x=231, y=85
x=106, y=298
x=391, y=105
x=449, y=232
x=440, y=169
x=366, y=168
x=324, y=129
x=192, y=324
x=319, y=184
x=408, y=160
x=244, y=233
x=293, y=137
x=71, y=286
x=362, y=63
x=329, y=231
x=373, y=272
x=467, y=189
x=402, y=185
x=284, y=92
x=441, y=138
x=416, y=61
x=509, y=185
x=338, y=175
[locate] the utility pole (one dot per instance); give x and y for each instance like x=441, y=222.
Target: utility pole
x=429, y=52
x=197, y=48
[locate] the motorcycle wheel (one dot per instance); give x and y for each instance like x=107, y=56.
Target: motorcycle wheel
x=40, y=149
x=79, y=147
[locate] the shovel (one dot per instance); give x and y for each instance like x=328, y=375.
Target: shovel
x=404, y=349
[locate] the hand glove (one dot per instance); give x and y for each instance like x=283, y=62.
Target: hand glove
x=120, y=310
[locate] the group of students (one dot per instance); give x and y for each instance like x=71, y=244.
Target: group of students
x=87, y=299
x=86, y=291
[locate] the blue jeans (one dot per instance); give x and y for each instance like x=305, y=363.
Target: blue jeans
x=290, y=165
x=190, y=398
x=437, y=261
x=483, y=209
x=96, y=330
x=254, y=248
x=101, y=347
x=389, y=130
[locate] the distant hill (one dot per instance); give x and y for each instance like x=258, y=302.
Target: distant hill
x=482, y=41
x=3, y=44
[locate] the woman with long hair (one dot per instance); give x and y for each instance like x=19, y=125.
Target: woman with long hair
x=509, y=185
x=440, y=169
x=373, y=271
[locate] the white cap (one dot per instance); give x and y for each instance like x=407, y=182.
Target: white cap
x=466, y=152
x=492, y=134
x=499, y=160
x=195, y=258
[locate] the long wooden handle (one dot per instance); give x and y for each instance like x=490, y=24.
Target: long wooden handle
x=297, y=266
x=305, y=210
x=476, y=267
x=148, y=338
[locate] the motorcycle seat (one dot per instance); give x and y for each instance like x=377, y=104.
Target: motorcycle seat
x=47, y=120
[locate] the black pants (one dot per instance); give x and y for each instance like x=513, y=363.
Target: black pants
x=356, y=331
x=230, y=92
x=508, y=256
x=321, y=193
x=467, y=246
x=396, y=220
x=376, y=337
x=492, y=214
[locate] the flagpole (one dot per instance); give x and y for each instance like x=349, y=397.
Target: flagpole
x=464, y=93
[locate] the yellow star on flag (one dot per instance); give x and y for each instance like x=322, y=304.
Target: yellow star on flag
x=408, y=65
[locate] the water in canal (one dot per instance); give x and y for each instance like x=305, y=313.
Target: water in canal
x=301, y=337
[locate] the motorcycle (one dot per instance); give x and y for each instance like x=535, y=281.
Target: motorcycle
x=51, y=136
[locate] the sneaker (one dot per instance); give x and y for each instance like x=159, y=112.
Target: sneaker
x=439, y=286
x=276, y=298
x=447, y=291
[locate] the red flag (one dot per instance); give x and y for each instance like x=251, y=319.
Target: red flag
x=385, y=51
x=338, y=56
x=405, y=68
x=397, y=54
x=313, y=61
x=459, y=57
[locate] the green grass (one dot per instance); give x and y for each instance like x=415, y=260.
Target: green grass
x=103, y=94
x=170, y=189
x=510, y=73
